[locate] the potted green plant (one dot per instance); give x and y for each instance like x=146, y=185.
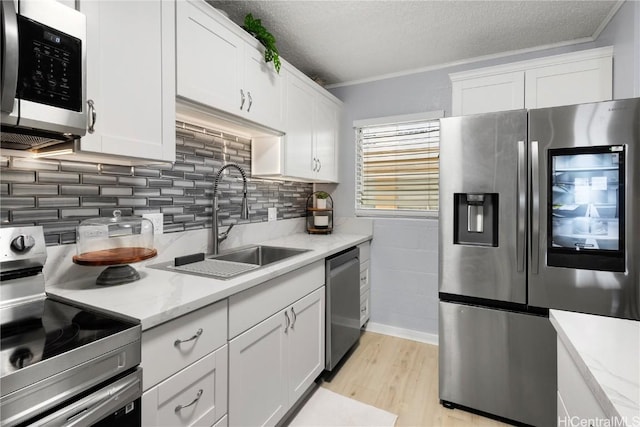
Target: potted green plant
x=254, y=27
x=321, y=199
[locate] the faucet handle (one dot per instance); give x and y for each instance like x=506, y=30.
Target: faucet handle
x=222, y=236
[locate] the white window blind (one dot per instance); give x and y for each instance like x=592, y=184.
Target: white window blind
x=397, y=167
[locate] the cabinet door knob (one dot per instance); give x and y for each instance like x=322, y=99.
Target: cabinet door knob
x=198, y=333
x=242, y=98
x=250, y=101
x=93, y=116
x=193, y=402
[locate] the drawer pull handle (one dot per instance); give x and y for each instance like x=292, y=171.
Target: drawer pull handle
x=198, y=333
x=193, y=402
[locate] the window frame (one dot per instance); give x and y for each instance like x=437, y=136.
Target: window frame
x=381, y=121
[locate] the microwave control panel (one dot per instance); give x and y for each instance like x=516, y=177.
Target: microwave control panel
x=50, y=67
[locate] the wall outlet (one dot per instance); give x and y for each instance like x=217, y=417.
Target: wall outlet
x=272, y=214
x=157, y=219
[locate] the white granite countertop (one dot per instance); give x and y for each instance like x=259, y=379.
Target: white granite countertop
x=607, y=354
x=160, y=296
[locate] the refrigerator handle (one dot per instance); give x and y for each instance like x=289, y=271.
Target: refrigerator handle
x=522, y=206
x=535, y=207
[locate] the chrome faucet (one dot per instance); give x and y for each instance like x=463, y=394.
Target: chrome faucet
x=220, y=237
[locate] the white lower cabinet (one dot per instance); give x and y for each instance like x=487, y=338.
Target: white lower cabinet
x=273, y=363
x=576, y=403
x=365, y=283
x=185, y=369
x=196, y=396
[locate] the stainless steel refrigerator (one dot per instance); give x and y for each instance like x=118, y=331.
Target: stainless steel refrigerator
x=539, y=209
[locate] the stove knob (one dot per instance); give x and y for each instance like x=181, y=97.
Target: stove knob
x=23, y=243
x=21, y=357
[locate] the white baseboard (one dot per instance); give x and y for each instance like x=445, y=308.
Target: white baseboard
x=409, y=334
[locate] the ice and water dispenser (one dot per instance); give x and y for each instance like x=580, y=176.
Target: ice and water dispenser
x=475, y=219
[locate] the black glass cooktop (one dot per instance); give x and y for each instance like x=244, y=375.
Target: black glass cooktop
x=60, y=328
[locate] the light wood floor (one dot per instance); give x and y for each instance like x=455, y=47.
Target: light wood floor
x=401, y=377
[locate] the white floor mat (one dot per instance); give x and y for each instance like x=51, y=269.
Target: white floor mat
x=328, y=409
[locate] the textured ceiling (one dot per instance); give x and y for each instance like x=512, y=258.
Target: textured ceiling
x=346, y=41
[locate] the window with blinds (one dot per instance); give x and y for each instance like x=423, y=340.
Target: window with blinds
x=397, y=167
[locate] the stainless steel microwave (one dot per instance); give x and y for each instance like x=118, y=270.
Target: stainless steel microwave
x=43, y=73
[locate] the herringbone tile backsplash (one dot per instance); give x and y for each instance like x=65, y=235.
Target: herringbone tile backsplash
x=59, y=194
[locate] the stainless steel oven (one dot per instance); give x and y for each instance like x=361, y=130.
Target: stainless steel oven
x=43, y=73
x=60, y=364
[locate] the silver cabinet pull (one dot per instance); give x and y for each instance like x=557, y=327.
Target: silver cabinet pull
x=319, y=165
x=198, y=333
x=286, y=328
x=193, y=402
x=93, y=116
x=295, y=317
x=242, y=98
x=250, y=101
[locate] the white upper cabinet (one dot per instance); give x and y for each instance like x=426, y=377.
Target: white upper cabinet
x=325, y=139
x=221, y=73
x=497, y=92
x=299, y=155
x=307, y=152
x=219, y=69
x=573, y=78
x=574, y=82
x=264, y=90
x=130, y=80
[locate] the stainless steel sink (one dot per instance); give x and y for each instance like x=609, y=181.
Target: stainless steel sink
x=259, y=255
x=233, y=263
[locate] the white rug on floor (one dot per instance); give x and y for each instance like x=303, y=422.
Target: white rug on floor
x=328, y=409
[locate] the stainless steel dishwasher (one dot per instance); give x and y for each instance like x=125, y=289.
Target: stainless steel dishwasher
x=343, y=305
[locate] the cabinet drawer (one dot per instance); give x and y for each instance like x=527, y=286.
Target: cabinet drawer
x=250, y=307
x=364, y=308
x=365, y=251
x=163, y=355
x=364, y=277
x=196, y=395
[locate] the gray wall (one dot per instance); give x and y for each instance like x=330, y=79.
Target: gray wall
x=404, y=270
x=60, y=194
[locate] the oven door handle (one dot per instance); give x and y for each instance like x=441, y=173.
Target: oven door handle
x=10, y=56
x=98, y=405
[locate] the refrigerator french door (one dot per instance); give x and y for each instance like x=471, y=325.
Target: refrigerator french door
x=536, y=212
x=585, y=208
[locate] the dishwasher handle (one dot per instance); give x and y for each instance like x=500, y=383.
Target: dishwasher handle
x=337, y=271
x=342, y=258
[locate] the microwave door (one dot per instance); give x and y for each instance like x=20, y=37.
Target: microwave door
x=8, y=103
